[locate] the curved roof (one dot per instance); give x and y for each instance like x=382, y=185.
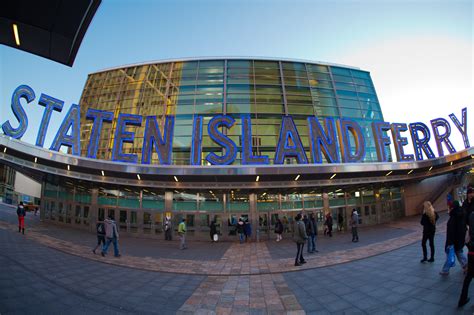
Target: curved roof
x=226, y=58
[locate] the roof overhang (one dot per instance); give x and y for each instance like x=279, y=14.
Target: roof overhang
x=41, y=163
x=53, y=29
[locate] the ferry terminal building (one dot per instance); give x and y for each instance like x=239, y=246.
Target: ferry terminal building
x=231, y=138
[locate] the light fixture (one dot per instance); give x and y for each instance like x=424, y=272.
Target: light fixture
x=5, y=150
x=68, y=168
x=211, y=191
x=103, y=174
x=258, y=178
x=388, y=173
x=451, y=164
x=411, y=171
x=357, y=194
x=264, y=194
x=176, y=191
x=17, y=36
x=138, y=176
x=430, y=168
x=36, y=159
x=333, y=175
x=297, y=177
x=176, y=178
x=338, y=190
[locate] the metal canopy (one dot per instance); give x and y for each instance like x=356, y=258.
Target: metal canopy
x=50, y=165
x=53, y=29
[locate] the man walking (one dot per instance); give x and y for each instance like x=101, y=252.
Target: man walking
x=21, y=212
x=300, y=238
x=182, y=234
x=354, y=224
x=111, y=235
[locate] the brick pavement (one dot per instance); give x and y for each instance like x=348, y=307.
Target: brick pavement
x=381, y=277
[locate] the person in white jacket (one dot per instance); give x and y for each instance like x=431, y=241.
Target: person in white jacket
x=111, y=235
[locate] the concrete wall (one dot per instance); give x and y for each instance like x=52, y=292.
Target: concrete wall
x=26, y=186
x=416, y=193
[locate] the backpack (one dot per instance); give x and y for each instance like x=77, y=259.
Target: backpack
x=100, y=228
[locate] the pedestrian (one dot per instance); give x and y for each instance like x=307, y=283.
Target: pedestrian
x=213, y=231
x=309, y=227
x=279, y=229
x=299, y=237
x=100, y=229
x=21, y=212
x=340, y=221
x=354, y=224
x=329, y=224
x=468, y=204
x=455, y=237
x=182, y=234
x=240, y=230
x=464, y=299
x=428, y=220
x=168, y=228
x=247, y=230
x=111, y=236
x=314, y=233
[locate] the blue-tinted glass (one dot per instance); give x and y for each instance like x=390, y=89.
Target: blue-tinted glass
x=340, y=71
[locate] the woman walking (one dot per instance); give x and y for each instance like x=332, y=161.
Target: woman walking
x=278, y=230
x=428, y=220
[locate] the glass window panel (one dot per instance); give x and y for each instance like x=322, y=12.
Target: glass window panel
x=239, y=64
x=269, y=98
x=294, y=81
x=365, y=89
x=317, y=68
x=239, y=71
x=211, y=64
x=240, y=80
x=320, y=84
x=349, y=103
x=296, y=66
x=347, y=94
x=300, y=110
x=266, y=64
x=240, y=98
x=262, y=89
x=238, y=108
x=340, y=71
x=347, y=112
x=360, y=74
x=187, y=65
x=322, y=92
x=297, y=90
x=363, y=82
x=208, y=109
x=345, y=86
x=267, y=79
x=326, y=111
x=271, y=108
x=344, y=79
x=240, y=88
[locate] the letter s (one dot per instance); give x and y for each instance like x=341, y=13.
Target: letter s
x=23, y=91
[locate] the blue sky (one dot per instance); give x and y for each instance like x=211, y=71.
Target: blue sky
x=419, y=53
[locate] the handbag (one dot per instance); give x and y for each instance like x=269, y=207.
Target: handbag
x=215, y=237
x=451, y=256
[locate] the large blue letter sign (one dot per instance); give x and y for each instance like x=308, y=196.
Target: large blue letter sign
x=99, y=116
x=462, y=127
x=23, y=91
x=344, y=127
x=218, y=137
x=247, y=155
x=164, y=145
x=399, y=142
x=327, y=141
x=381, y=140
x=122, y=136
x=289, y=143
x=435, y=124
x=50, y=104
x=71, y=121
x=196, y=145
x=421, y=144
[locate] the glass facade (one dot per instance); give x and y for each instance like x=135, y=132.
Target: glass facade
x=265, y=89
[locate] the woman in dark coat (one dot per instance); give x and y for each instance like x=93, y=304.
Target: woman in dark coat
x=428, y=220
x=455, y=236
x=278, y=230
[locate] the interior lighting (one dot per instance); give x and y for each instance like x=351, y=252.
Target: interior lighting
x=297, y=177
x=338, y=190
x=451, y=164
x=211, y=191
x=357, y=194
x=264, y=194
x=138, y=176
x=103, y=174
x=36, y=159
x=388, y=173
x=17, y=36
x=176, y=178
x=5, y=150
x=430, y=168
x=258, y=178
x=68, y=168
x=333, y=175
x=411, y=171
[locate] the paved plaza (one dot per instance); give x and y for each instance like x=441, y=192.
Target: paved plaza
x=51, y=270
